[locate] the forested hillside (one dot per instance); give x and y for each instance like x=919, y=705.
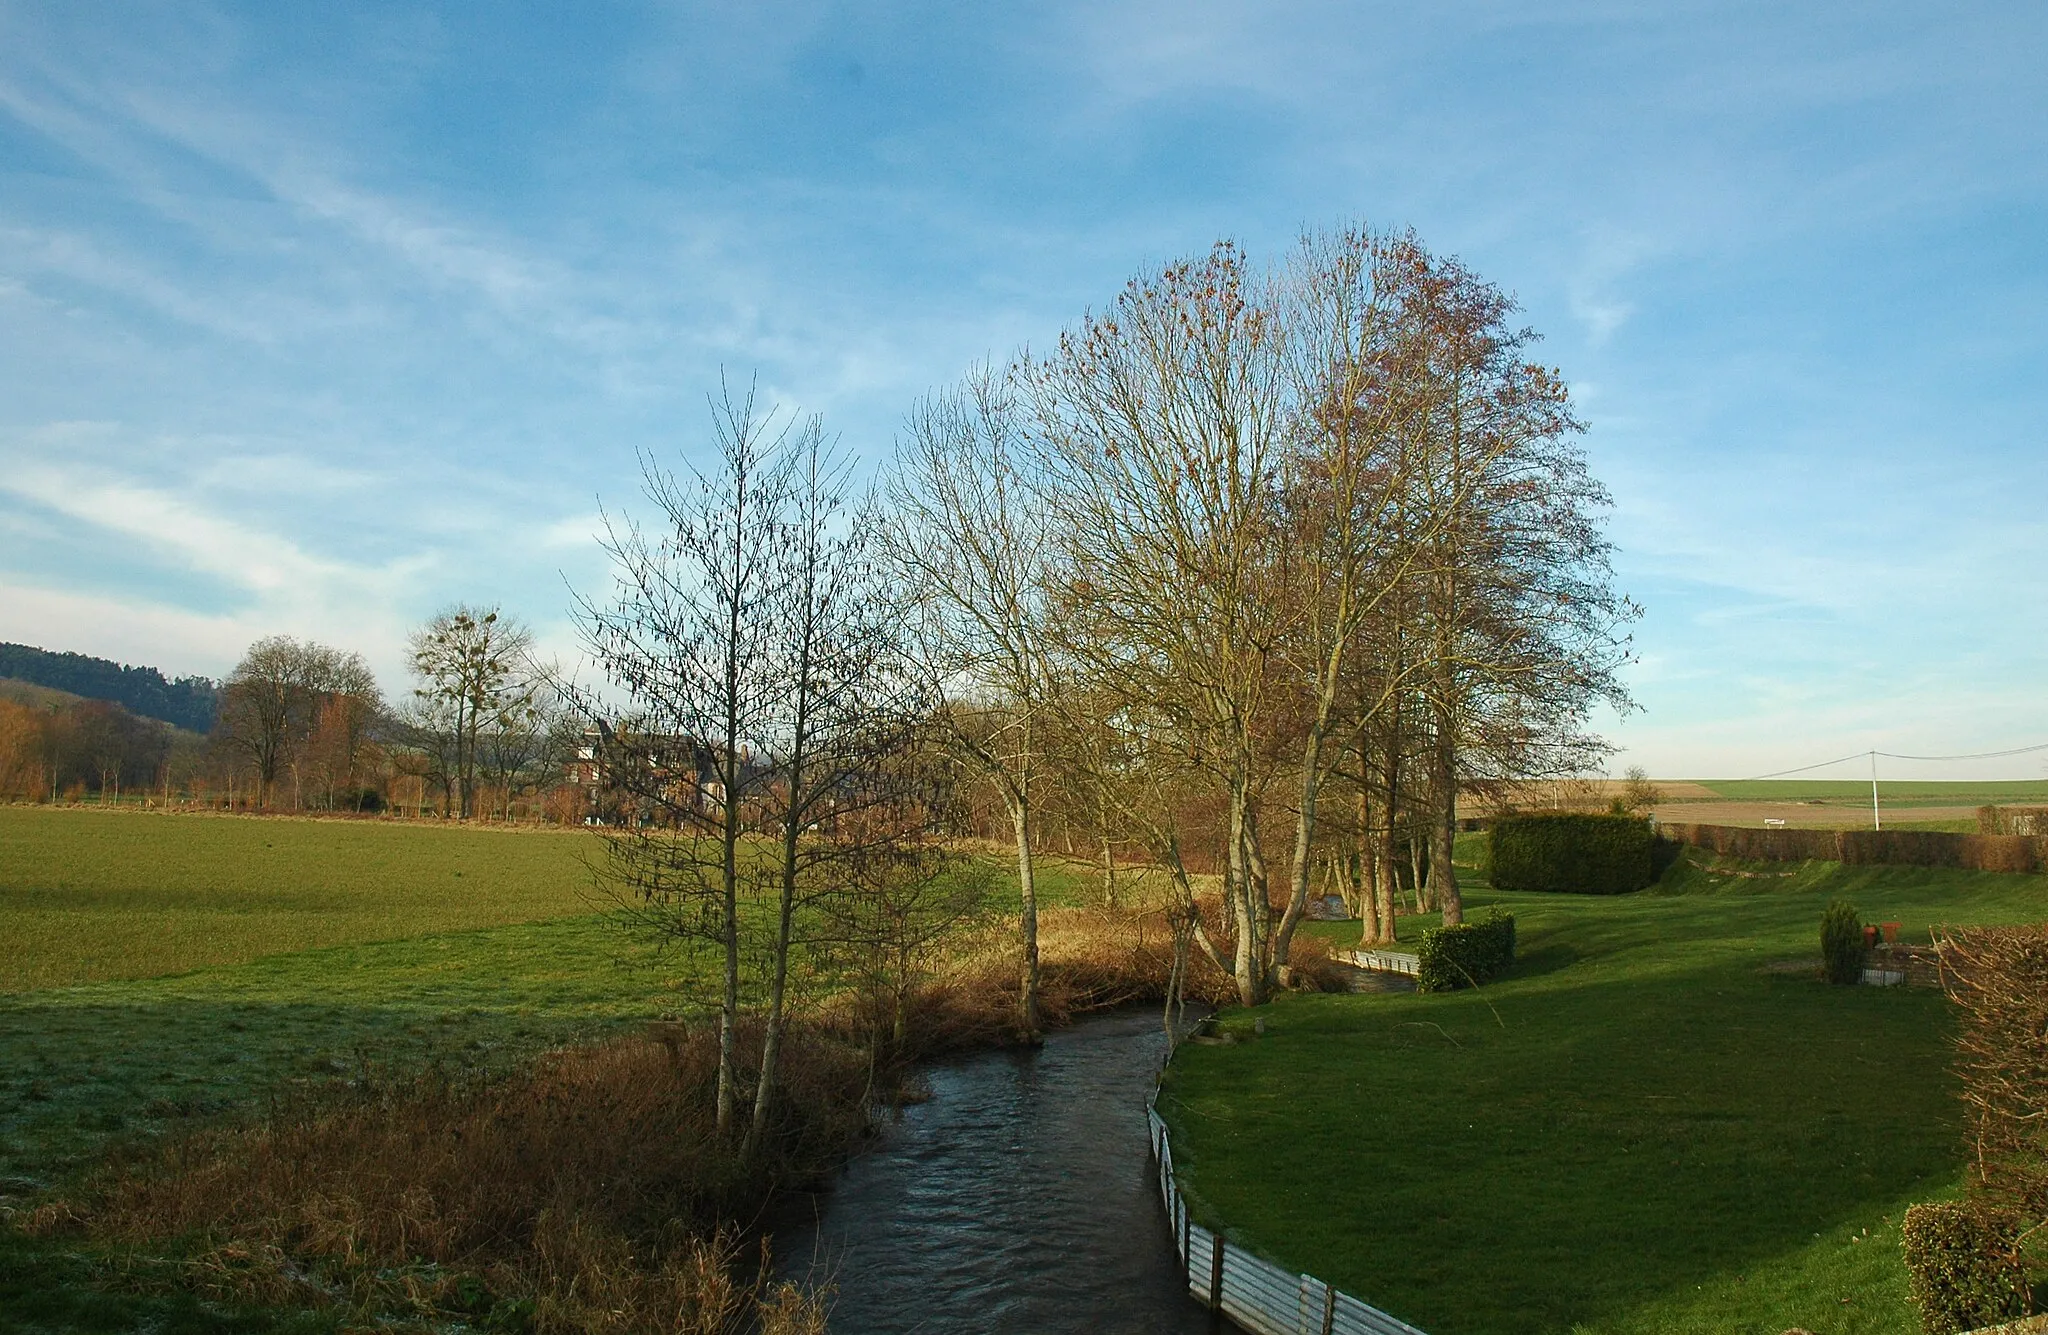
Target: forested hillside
x=188, y=702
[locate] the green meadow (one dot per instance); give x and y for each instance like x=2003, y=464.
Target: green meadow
x=1900, y=793
x=1643, y=1128
x=90, y=896
x=158, y=968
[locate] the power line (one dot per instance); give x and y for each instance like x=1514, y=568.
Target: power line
x=1779, y=774
x=1894, y=755
x=1981, y=755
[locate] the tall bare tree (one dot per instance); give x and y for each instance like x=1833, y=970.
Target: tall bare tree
x=969, y=541
x=688, y=638
x=261, y=703
x=844, y=789
x=476, y=675
x=272, y=703
x=1161, y=426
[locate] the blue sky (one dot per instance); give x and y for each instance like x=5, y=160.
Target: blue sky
x=316, y=323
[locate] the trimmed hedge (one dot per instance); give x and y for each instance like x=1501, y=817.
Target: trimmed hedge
x=1571, y=852
x=2012, y=820
x=1868, y=848
x=1961, y=1269
x=1466, y=955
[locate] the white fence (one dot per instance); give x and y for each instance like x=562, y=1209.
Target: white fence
x=1256, y=1294
x=1385, y=961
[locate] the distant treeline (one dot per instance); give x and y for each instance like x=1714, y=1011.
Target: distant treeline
x=188, y=702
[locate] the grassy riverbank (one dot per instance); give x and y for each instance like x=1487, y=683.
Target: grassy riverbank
x=161, y=975
x=1642, y=1129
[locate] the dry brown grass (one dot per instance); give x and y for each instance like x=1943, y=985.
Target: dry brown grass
x=588, y=1192
x=1089, y=960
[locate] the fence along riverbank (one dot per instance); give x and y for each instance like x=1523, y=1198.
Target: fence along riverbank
x=1255, y=1293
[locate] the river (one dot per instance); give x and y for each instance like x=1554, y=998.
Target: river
x=1019, y=1197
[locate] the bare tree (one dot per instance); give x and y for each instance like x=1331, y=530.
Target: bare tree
x=969, y=541
x=843, y=789
x=689, y=640
x=1329, y=518
x=273, y=702
x=261, y=704
x=1519, y=624
x=1161, y=425
x=475, y=675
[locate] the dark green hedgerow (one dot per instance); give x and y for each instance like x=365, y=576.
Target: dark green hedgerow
x=1571, y=852
x=1466, y=955
x=1961, y=1268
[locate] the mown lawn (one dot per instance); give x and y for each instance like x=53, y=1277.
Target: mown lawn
x=1639, y=1130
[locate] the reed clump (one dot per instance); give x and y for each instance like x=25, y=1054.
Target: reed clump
x=588, y=1191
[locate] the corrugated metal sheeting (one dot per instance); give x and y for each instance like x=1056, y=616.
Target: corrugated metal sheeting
x=1256, y=1294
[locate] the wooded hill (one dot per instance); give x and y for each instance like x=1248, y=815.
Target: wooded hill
x=187, y=702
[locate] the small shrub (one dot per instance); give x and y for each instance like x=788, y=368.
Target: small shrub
x=1961, y=1268
x=1572, y=852
x=1466, y=955
x=1841, y=943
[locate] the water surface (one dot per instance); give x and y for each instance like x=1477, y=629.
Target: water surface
x=1019, y=1197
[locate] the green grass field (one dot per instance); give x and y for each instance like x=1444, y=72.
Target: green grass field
x=1902, y=793
x=159, y=969
x=1639, y=1130
x=90, y=896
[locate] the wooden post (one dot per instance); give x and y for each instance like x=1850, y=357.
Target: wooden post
x=1187, y=1252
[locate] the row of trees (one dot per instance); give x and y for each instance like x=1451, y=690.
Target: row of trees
x=79, y=746
x=305, y=726
x=1252, y=571
x=482, y=726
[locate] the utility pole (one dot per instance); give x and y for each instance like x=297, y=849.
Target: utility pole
x=1876, y=820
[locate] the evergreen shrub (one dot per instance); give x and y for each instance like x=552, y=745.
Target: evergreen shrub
x=1961, y=1269
x=1572, y=852
x=1466, y=955
x=1841, y=943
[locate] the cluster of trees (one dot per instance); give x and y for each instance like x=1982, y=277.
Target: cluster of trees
x=482, y=731
x=65, y=746
x=300, y=716
x=1267, y=569
x=1253, y=572
x=304, y=726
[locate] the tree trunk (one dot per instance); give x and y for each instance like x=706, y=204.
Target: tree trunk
x=1389, y=866
x=1027, y=922
x=1304, y=842
x=1365, y=875
x=1443, y=875
x=778, y=983
x=1242, y=891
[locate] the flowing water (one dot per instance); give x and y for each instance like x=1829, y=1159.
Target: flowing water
x=1019, y=1197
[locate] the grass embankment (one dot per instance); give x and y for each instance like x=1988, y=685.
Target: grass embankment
x=1640, y=1129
